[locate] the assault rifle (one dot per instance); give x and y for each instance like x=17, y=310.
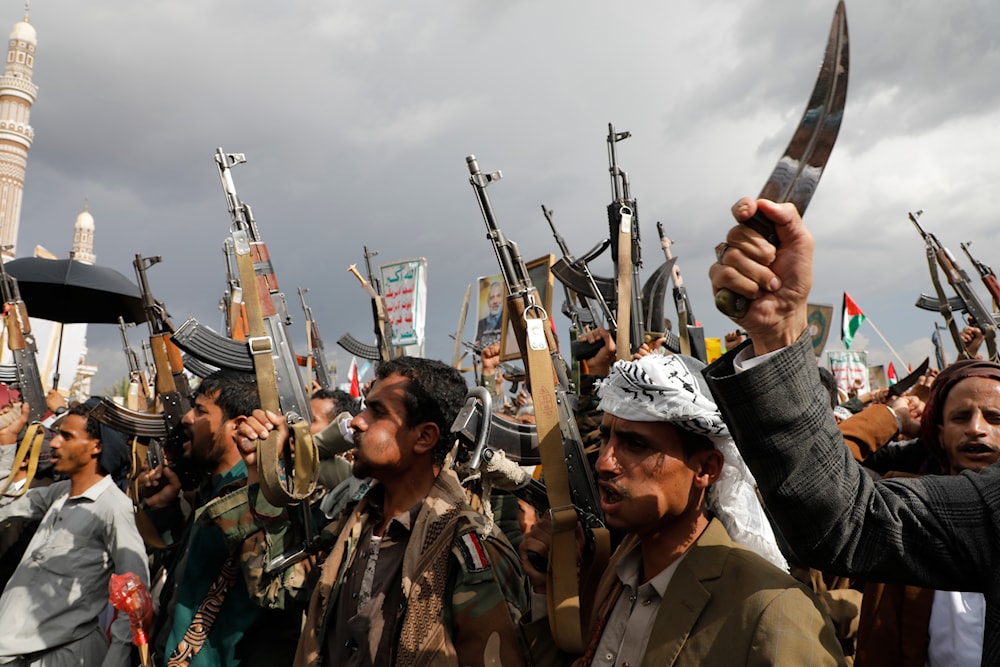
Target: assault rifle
x=138, y=387
x=523, y=296
x=317, y=354
x=623, y=219
x=585, y=316
x=692, y=336
x=979, y=316
x=985, y=273
x=21, y=343
x=383, y=337
x=158, y=423
x=273, y=360
x=570, y=487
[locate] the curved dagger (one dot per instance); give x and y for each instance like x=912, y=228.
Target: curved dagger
x=797, y=173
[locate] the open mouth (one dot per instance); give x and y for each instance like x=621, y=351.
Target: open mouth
x=609, y=493
x=976, y=448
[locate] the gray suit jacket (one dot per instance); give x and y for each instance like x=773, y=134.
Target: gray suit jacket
x=936, y=532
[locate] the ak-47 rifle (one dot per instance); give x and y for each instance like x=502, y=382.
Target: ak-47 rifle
x=284, y=479
x=569, y=482
x=139, y=396
x=383, y=336
x=623, y=219
x=157, y=424
x=986, y=274
x=317, y=354
x=939, y=256
x=586, y=316
x=692, y=336
x=21, y=343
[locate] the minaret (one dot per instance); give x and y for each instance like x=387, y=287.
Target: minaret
x=17, y=94
x=83, y=237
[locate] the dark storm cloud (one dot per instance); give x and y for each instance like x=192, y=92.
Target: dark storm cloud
x=356, y=119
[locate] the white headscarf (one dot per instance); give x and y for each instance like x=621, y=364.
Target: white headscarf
x=667, y=389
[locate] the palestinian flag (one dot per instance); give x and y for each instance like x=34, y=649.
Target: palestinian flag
x=890, y=375
x=851, y=319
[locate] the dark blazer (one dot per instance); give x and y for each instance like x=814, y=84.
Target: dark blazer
x=936, y=532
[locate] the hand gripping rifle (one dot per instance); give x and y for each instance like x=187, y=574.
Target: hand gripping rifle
x=21, y=343
x=939, y=256
x=568, y=480
x=268, y=350
x=383, y=331
x=623, y=218
x=317, y=354
x=986, y=274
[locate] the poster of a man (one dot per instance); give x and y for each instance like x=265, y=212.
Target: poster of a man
x=491, y=300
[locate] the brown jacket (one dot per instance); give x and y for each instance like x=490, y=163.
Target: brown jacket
x=724, y=606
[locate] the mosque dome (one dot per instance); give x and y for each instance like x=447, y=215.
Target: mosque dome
x=85, y=220
x=25, y=32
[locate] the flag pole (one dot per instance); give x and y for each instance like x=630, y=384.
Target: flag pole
x=891, y=349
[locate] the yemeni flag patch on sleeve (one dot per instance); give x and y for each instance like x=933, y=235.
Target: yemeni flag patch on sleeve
x=473, y=552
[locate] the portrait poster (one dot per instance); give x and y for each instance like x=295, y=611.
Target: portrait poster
x=489, y=309
x=850, y=368
x=404, y=289
x=540, y=272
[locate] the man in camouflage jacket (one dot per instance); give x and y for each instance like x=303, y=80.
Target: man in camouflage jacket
x=414, y=575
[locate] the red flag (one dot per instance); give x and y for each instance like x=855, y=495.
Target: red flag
x=355, y=389
x=890, y=375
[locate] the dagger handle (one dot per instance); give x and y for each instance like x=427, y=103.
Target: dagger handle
x=730, y=303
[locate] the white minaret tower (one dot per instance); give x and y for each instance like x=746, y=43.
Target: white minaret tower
x=17, y=94
x=83, y=237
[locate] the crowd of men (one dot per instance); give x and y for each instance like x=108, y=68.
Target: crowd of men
x=717, y=484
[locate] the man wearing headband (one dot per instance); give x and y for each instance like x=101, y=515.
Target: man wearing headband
x=50, y=607
x=698, y=578
x=937, y=531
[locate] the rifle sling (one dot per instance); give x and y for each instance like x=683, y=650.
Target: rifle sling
x=269, y=450
x=944, y=305
x=623, y=341
x=567, y=615
x=30, y=448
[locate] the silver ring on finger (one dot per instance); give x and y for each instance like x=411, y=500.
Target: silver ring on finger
x=720, y=251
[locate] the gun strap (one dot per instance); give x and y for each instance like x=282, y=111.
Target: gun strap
x=269, y=451
x=568, y=609
x=30, y=448
x=623, y=341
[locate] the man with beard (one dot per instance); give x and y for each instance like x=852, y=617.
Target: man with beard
x=206, y=615
x=698, y=578
x=412, y=574
x=488, y=328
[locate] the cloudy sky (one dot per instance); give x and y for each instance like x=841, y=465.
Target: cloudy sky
x=356, y=118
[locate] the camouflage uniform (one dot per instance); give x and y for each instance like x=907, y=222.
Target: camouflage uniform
x=462, y=580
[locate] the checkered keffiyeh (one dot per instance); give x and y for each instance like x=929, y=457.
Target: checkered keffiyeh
x=667, y=389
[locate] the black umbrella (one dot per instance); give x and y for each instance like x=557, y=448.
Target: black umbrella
x=69, y=291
